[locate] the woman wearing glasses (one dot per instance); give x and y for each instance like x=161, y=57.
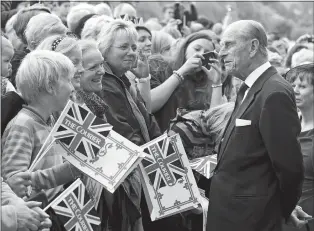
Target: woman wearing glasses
x=302, y=80
x=117, y=44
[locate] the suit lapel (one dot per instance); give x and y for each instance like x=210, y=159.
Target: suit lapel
x=257, y=86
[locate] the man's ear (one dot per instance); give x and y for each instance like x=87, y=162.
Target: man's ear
x=254, y=47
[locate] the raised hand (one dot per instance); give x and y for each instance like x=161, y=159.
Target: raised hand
x=215, y=72
x=191, y=66
x=142, y=69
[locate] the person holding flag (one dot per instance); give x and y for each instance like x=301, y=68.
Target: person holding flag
x=44, y=81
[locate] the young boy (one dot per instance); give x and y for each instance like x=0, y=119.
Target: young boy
x=7, y=52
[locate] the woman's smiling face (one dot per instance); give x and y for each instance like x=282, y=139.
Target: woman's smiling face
x=75, y=55
x=122, y=54
x=94, y=70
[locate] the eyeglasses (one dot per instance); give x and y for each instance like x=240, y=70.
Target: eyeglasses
x=125, y=47
x=295, y=71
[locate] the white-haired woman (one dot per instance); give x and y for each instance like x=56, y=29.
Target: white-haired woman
x=41, y=26
x=117, y=43
x=69, y=47
x=91, y=83
x=91, y=80
x=44, y=81
x=93, y=26
x=77, y=13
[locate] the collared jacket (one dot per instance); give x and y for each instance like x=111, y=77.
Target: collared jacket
x=129, y=118
x=124, y=121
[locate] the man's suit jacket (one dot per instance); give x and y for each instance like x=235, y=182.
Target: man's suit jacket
x=259, y=174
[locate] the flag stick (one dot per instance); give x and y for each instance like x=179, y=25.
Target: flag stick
x=41, y=154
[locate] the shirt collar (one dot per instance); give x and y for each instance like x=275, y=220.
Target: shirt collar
x=250, y=80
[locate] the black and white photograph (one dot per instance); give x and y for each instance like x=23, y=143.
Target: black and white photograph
x=157, y=115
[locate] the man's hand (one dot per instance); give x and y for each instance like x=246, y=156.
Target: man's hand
x=19, y=183
x=297, y=217
x=27, y=219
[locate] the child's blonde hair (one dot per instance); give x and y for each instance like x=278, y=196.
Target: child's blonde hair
x=40, y=70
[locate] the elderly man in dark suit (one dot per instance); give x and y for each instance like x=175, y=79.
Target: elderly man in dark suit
x=259, y=174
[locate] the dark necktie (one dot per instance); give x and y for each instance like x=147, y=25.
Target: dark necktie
x=238, y=102
x=240, y=96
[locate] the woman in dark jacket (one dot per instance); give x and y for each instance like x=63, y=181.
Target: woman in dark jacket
x=117, y=43
x=302, y=80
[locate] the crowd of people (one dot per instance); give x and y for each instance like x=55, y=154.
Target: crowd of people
x=252, y=103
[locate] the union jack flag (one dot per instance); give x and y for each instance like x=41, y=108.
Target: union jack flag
x=169, y=184
x=204, y=165
x=81, y=131
x=74, y=209
x=163, y=163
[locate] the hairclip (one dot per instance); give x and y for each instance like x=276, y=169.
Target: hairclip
x=56, y=43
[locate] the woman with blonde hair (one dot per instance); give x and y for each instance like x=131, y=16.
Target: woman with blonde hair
x=118, y=46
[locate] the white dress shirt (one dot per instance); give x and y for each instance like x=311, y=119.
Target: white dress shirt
x=251, y=79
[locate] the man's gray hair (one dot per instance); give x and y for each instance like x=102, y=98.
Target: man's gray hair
x=254, y=30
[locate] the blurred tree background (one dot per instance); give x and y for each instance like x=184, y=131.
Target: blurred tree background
x=290, y=19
